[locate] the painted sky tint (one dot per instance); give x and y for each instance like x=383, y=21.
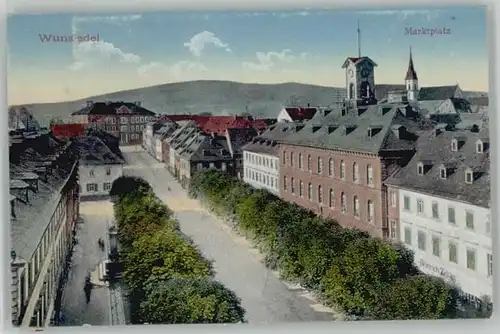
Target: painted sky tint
x=139, y=50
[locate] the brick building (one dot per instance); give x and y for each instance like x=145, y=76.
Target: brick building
x=124, y=120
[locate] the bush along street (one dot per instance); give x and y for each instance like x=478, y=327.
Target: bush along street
x=363, y=276
x=167, y=278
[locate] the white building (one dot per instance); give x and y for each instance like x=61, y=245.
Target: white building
x=99, y=167
x=159, y=137
x=261, y=164
x=147, y=138
x=292, y=114
x=440, y=201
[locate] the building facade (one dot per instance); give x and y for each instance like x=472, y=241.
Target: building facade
x=44, y=210
x=439, y=205
x=261, y=164
x=124, y=120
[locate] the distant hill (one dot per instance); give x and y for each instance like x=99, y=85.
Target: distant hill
x=215, y=97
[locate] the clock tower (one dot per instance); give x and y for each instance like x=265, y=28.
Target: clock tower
x=360, y=81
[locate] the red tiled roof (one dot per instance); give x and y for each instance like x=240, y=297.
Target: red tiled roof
x=300, y=114
x=68, y=130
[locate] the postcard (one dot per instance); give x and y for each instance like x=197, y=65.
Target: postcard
x=249, y=167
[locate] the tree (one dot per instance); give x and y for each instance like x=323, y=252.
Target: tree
x=417, y=297
x=128, y=184
x=362, y=274
x=164, y=254
x=191, y=301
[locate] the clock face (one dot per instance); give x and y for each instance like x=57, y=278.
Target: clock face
x=365, y=72
x=350, y=72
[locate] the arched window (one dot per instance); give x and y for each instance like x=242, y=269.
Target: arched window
x=371, y=212
x=320, y=194
x=331, y=167
x=301, y=189
x=355, y=172
x=343, y=203
x=285, y=182
x=309, y=163
x=320, y=166
x=369, y=175
x=291, y=158
x=342, y=170
x=351, y=90
x=284, y=157
x=309, y=191
x=355, y=206
x=292, y=185
x=331, y=199
x=301, y=163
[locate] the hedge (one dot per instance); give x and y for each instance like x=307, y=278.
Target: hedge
x=345, y=267
x=157, y=256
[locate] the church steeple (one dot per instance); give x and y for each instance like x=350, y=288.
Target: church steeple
x=411, y=74
x=411, y=81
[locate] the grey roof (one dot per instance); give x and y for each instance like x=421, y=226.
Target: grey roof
x=165, y=130
x=93, y=151
x=382, y=90
x=435, y=151
x=438, y=92
x=371, y=129
x=237, y=138
x=203, y=148
x=33, y=217
x=22, y=119
x=263, y=146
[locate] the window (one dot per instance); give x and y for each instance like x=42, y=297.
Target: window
x=284, y=157
x=394, y=229
x=343, y=203
x=342, y=170
x=420, y=169
x=451, y=215
x=421, y=240
x=291, y=159
x=435, y=210
x=301, y=189
x=452, y=252
x=408, y=235
x=371, y=212
x=407, y=203
x=320, y=166
x=108, y=170
x=106, y=186
x=442, y=173
x=454, y=145
x=469, y=176
x=309, y=163
x=489, y=262
x=293, y=185
x=369, y=175
x=469, y=220
x=479, y=146
x=309, y=191
x=91, y=187
x=285, y=181
x=393, y=198
x=320, y=194
x=436, y=246
x=355, y=207
x=331, y=167
x=272, y=182
x=420, y=206
x=355, y=172
x=91, y=172
x=300, y=161
x=331, y=198
x=267, y=176
x=123, y=120
x=471, y=259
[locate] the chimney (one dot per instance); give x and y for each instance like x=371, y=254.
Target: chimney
x=308, y=105
x=90, y=103
x=138, y=103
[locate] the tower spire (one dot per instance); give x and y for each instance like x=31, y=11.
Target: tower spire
x=411, y=74
x=359, y=41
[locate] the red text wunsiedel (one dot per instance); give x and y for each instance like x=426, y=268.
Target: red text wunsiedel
x=48, y=38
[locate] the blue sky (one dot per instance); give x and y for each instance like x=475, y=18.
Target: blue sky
x=136, y=50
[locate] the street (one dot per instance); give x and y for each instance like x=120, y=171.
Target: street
x=265, y=298
x=86, y=256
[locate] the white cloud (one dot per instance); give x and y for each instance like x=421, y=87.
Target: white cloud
x=282, y=15
x=268, y=60
x=172, y=72
x=198, y=42
x=115, y=19
x=404, y=14
x=88, y=53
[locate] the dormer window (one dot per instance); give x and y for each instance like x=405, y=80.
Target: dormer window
x=420, y=168
x=469, y=176
x=442, y=172
x=479, y=146
x=454, y=145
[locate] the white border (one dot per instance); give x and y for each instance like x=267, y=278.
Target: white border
x=79, y=6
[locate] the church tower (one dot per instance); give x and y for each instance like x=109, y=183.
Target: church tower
x=411, y=81
x=360, y=79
